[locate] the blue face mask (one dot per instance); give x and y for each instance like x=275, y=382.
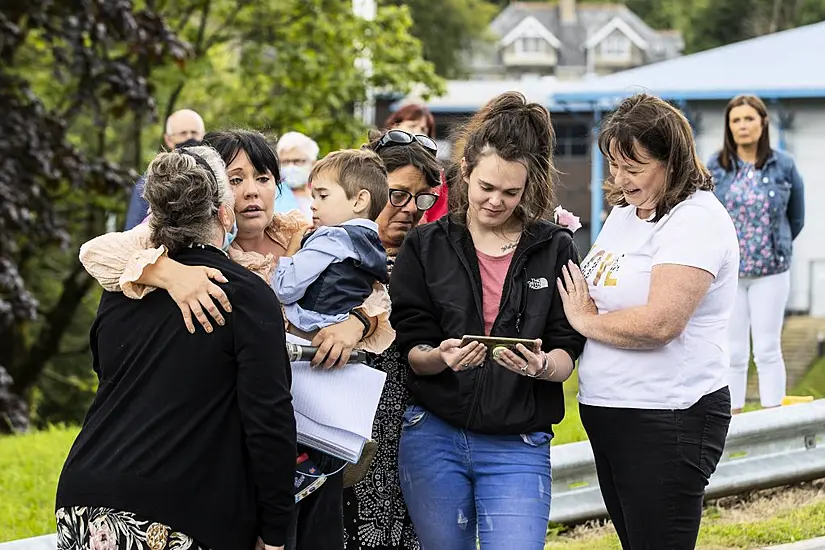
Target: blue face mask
x=229, y=236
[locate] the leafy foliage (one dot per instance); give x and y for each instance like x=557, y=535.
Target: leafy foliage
x=86, y=84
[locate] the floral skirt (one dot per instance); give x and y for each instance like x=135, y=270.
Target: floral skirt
x=89, y=528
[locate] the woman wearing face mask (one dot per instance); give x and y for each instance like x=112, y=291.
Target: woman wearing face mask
x=128, y=262
x=763, y=192
x=190, y=441
x=474, y=453
x=297, y=153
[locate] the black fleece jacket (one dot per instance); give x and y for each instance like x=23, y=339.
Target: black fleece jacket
x=436, y=294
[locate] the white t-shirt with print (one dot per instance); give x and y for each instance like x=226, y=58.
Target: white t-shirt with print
x=698, y=232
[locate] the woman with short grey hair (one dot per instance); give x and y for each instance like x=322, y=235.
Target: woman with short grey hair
x=190, y=441
x=297, y=153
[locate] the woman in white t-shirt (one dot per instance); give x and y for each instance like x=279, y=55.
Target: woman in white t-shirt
x=653, y=297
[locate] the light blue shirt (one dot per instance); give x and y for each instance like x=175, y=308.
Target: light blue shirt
x=327, y=245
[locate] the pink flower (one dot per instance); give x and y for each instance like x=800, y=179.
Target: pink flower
x=566, y=218
x=101, y=535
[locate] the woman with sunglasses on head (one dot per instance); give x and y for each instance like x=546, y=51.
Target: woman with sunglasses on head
x=128, y=262
x=417, y=119
x=474, y=454
x=375, y=516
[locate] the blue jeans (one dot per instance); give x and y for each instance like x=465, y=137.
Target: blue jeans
x=460, y=485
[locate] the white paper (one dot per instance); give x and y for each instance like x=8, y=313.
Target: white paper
x=335, y=409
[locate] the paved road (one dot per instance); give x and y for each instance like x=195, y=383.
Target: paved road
x=813, y=544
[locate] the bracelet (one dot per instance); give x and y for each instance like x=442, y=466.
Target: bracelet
x=543, y=370
x=364, y=321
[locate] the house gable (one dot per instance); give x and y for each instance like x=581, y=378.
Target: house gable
x=529, y=27
x=617, y=24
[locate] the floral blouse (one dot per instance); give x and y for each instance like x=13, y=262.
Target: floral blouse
x=117, y=260
x=748, y=203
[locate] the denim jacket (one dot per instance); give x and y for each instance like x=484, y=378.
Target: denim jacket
x=786, y=192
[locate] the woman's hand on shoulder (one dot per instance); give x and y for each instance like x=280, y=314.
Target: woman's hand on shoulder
x=192, y=288
x=575, y=297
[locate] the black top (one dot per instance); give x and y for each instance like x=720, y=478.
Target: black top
x=436, y=294
x=195, y=431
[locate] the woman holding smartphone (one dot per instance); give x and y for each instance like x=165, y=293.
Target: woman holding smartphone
x=474, y=455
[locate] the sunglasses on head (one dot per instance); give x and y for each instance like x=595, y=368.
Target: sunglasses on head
x=400, y=137
x=423, y=201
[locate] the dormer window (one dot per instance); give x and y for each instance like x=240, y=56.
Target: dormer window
x=530, y=44
x=616, y=46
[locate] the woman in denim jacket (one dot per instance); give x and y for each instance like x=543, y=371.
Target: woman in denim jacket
x=763, y=192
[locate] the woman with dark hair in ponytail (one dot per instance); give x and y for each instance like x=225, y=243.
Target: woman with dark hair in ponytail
x=474, y=456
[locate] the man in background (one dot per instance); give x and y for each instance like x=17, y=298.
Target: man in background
x=184, y=128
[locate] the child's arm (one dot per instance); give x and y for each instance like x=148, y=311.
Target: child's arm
x=295, y=242
x=296, y=273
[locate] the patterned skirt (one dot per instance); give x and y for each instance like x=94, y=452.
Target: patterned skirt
x=89, y=528
x=375, y=515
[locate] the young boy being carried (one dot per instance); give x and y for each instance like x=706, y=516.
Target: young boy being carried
x=331, y=270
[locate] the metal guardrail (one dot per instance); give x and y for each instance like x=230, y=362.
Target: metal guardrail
x=763, y=449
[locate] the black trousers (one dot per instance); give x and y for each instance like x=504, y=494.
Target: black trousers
x=653, y=467
x=318, y=520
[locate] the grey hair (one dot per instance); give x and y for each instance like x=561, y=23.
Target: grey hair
x=297, y=140
x=184, y=197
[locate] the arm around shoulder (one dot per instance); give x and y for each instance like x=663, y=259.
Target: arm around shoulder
x=117, y=260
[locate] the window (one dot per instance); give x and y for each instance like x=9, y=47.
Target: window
x=529, y=44
x=572, y=139
x=616, y=46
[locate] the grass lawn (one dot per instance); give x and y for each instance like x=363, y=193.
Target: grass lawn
x=814, y=381
x=762, y=518
x=570, y=430
x=29, y=467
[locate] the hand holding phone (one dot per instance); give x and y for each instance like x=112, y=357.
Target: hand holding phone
x=497, y=343
x=458, y=356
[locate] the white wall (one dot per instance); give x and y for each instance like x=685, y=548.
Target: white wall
x=806, y=142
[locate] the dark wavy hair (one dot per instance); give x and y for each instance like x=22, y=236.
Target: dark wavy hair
x=399, y=156
x=517, y=131
x=664, y=133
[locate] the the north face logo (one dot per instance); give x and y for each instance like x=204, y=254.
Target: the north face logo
x=537, y=284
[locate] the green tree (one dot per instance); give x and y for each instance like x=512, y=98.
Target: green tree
x=281, y=65
x=448, y=31
x=63, y=65
x=86, y=85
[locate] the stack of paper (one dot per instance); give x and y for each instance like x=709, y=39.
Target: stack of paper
x=335, y=409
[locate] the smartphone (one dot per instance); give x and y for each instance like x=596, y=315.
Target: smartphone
x=496, y=342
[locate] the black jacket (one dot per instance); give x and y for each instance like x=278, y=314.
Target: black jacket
x=436, y=294
x=195, y=431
